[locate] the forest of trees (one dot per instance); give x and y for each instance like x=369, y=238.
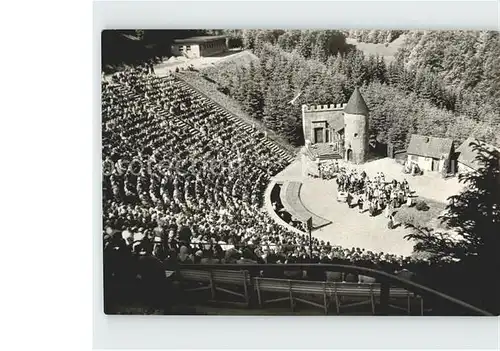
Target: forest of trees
x=465, y=65
x=375, y=36
x=449, y=80
x=413, y=94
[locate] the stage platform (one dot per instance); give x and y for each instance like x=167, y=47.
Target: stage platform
x=290, y=198
x=323, y=151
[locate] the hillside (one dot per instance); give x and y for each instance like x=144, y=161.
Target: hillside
x=467, y=63
x=241, y=59
x=415, y=82
x=386, y=50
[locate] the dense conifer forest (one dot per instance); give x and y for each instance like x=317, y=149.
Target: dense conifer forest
x=447, y=80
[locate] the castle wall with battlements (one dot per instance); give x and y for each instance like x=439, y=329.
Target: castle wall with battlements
x=330, y=117
x=330, y=107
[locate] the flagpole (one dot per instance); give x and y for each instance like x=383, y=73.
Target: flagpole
x=309, y=228
x=310, y=242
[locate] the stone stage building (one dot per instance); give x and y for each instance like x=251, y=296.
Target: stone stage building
x=337, y=131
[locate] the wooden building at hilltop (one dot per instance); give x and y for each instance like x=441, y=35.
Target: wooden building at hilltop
x=200, y=46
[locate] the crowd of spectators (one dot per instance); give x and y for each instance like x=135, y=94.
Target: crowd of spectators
x=183, y=184
x=280, y=210
x=209, y=87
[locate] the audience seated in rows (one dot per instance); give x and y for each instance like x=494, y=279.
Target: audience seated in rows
x=183, y=184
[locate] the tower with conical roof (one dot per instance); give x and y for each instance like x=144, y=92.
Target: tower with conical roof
x=356, y=129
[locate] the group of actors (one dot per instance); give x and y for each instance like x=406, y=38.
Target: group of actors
x=375, y=195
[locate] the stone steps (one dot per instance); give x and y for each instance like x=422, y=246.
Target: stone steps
x=241, y=124
x=330, y=157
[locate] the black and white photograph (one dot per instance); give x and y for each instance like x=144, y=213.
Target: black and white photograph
x=293, y=172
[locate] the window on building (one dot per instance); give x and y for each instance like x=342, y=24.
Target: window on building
x=355, y=135
x=181, y=48
x=188, y=47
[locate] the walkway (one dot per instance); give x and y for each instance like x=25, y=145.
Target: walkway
x=169, y=65
x=290, y=198
x=429, y=185
x=349, y=228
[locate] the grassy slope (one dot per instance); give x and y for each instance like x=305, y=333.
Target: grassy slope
x=388, y=52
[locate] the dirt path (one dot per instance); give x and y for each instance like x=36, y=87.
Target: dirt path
x=169, y=65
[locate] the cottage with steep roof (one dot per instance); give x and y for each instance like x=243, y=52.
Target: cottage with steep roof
x=467, y=160
x=430, y=153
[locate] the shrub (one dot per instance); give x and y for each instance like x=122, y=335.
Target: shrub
x=422, y=206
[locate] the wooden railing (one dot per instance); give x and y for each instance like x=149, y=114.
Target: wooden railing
x=440, y=303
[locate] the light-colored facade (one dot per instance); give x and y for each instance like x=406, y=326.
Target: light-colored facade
x=323, y=123
x=356, y=137
x=196, y=47
x=427, y=163
x=188, y=50
x=463, y=168
x=431, y=154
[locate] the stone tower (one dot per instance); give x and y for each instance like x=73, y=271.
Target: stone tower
x=356, y=129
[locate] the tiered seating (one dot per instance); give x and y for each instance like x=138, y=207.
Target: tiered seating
x=183, y=182
x=186, y=181
x=185, y=163
x=277, y=150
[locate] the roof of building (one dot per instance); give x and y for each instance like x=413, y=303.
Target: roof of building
x=428, y=146
x=356, y=104
x=468, y=154
x=130, y=37
x=199, y=39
